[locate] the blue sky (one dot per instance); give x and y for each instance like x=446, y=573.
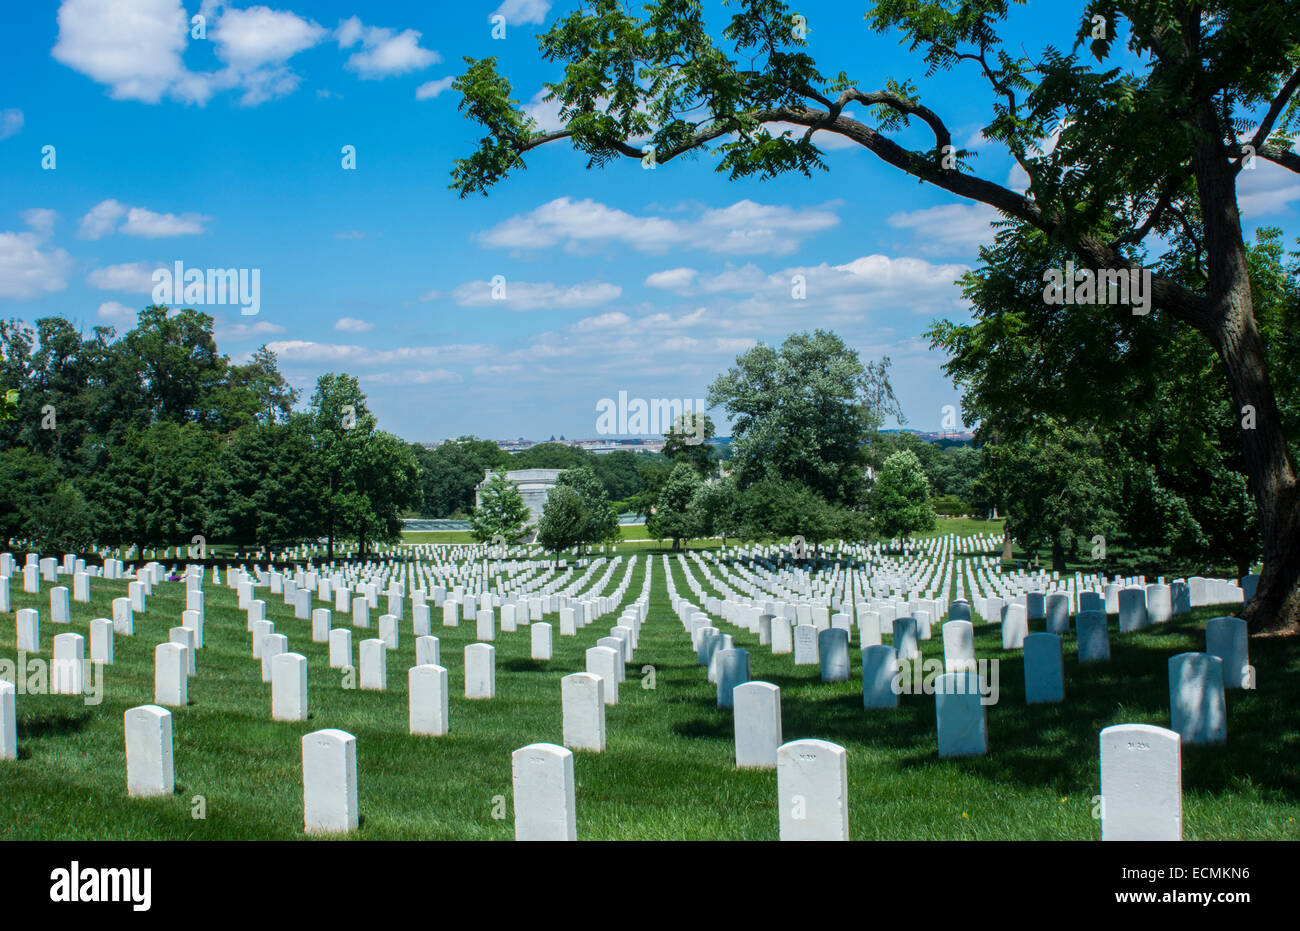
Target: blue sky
x=225, y=152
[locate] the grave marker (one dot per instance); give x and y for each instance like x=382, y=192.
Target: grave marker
x=542, y=777
x=812, y=790
x=329, y=782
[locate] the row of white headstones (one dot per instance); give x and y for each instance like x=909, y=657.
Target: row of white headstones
x=1140, y=763
x=1194, y=696
x=544, y=790
x=544, y=794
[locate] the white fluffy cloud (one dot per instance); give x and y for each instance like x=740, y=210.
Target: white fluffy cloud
x=518, y=12
x=225, y=330
x=384, y=52
x=431, y=89
x=412, y=377
x=102, y=219
x=136, y=48
x=133, y=46
x=353, y=325
x=744, y=228
x=258, y=37
x=672, y=279
x=529, y=295
x=948, y=228
x=116, y=314
x=40, y=220
x=11, y=123
x=128, y=277
x=28, y=270
x=307, y=351
x=1266, y=189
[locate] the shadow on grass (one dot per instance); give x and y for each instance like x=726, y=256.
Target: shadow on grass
x=37, y=726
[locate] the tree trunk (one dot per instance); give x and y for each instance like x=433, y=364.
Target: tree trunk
x=1276, y=605
x=1058, y=556
x=1231, y=329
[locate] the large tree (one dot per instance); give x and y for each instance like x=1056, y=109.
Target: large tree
x=265, y=495
x=802, y=412
x=1056, y=486
x=1148, y=142
x=900, y=497
x=675, y=516
x=1151, y=392
x=364, y=477
x=601, y=520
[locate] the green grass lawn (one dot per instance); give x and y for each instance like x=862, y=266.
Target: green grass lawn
x=668, y=771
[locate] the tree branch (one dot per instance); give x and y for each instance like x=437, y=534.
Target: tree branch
x=1287, y=158
x=1274, y=110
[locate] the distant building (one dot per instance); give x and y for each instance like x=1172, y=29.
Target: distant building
x=534, y=484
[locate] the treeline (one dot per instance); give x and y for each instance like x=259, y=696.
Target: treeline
x=154, y=438
x=451, y=471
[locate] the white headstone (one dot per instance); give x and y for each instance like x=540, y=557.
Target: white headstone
x=582, y=697
x=193, y=621
x=171, y=675
x=149, y=766
x=485, y=627
x=1132, y=609
x=604, y=662
x=541, y=640
x=1141, y=783
x=388, y=630
x=1094, y=641
x=805, y=645
x=289, y=687
x=340, y=648
x=868, y=629
x=329, y=782
x=123, y=617
x=880, y=677
x=833, y=653
x=1015, y=627
x=958, y=646
x=758, y=724
x=812, y=790
x=8, y=721
x=542, y=776
x=733, y=670
x=321, y=619
x=427, y=652
x=1044, y=669
x=101, y=641
x=185, y=637
x=28, y=623
x=427, y=696
x=960, y=714
x=480, y=671
x=1057, y=612
x=906, y=642
x=1196, y=702
x=782, y=636
x=1160, y=603
x=374, y=664
x=60, y=606
x=1227, y=638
